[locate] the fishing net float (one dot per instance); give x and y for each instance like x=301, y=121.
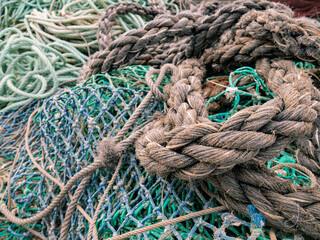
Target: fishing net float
x=268, y=117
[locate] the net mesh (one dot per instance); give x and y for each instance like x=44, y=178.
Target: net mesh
x=63, y=138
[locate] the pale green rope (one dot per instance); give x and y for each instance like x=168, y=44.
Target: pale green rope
x=32, y=70
x=76, y=22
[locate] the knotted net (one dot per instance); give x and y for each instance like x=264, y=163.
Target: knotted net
x=224, y=161
x=62, y=138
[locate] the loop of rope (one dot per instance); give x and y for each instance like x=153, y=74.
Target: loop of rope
x=229, y=155
x=310, y=174
x=30, y=70
x=185, y=145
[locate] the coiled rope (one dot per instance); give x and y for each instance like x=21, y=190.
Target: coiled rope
x=231, y=155
x=76, y=23
x=31, y=70
x=188, y=145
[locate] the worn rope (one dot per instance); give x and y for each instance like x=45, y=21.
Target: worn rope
x=71, y=208
x=230, y=155
x=185, y=144
x=173, y=38
x=112, y=13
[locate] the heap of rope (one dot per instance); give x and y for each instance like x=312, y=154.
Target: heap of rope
x=31, y=70
x=230, y=155
x=55, y=45
x=76, y=23
x=243, y=31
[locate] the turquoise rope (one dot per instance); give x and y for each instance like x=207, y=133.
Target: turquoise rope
x=305, y=65
x=236, y=92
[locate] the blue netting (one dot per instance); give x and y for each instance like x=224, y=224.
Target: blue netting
x=63, y=140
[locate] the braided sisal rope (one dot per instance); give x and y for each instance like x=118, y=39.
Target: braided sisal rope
x=230, y=155
x=186, y=144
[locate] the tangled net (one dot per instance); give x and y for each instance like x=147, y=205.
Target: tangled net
x=72, y=123
x=269, y=118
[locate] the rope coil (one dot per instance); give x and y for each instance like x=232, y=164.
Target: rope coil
x=184, y=142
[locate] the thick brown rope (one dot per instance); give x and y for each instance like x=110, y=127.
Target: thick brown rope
x=111, y=14
x=184, y=143
x=173, y=38
x=230, y=156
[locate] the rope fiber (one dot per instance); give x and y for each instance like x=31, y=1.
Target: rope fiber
x=214, y=141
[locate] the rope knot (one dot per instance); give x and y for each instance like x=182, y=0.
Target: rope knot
x=109, y=152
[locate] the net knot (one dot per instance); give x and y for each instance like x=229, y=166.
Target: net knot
x=109, y=152
x=230, y=92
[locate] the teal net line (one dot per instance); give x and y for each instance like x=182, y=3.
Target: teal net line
x=128, y=77
x=256, y=91
x=63, y=140
x=305, y=65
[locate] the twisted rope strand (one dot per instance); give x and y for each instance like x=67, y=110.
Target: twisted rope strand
x=183, y=142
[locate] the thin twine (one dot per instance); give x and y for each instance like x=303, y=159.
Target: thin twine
x=125, y=129
x=169, y=222
x=43, y=171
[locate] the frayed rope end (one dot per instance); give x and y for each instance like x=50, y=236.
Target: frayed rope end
x=109, y=152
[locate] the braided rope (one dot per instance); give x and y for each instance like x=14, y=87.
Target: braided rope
x=185, y=144
x=230, y=155
x=173, y=38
